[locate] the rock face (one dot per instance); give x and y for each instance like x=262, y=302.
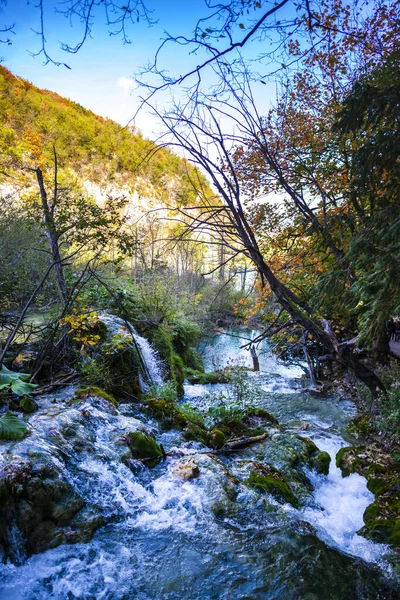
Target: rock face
x=186, y=470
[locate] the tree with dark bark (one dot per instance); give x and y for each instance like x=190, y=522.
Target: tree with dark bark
x=201, y=136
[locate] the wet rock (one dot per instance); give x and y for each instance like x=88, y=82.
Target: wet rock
x=313, y=456
x=167, y=413
x=268, y=479
x=186, y=470
x=259, y=415
x=196, y=433
x=221, y=486
x=143, y=447
x=39, y=501
x=98, y=393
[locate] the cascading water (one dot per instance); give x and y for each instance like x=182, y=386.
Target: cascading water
x=154, y=371
x=172, y=539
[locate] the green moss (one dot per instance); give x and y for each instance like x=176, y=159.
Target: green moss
x=99, y=328
x=309, y=446
x=273, y=484
x=167, y=412
x=178, y=373
x=28, y=404
x=142, y=445
x=195, y=433
x=236, y=427
x=370, y=513
x=312, y=456
x=96, y=391
x=115, y=369
x=195, y=376
x=376, y=469
x=262, y=414
x=363, y=425
x=217, y=439
x=378, y=486
x=321, y=462
x=339, y=461
x=193, y=360
x=382, y=523
x=348, y=461
x=161, y=340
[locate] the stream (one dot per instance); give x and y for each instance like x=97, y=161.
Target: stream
x=166, y=539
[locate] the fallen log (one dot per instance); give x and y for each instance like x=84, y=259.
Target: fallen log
x=242, y=442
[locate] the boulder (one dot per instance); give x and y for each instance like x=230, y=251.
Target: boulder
x=186, y=470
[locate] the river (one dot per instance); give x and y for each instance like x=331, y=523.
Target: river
x=164, y=539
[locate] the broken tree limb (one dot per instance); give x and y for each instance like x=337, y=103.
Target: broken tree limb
x=242, y=442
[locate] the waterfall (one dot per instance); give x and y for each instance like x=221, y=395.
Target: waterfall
x=151, y=360
x=153, y=367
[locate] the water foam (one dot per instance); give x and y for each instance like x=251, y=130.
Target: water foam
x=340, y=505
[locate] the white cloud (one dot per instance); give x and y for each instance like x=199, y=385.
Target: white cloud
x=126, y=83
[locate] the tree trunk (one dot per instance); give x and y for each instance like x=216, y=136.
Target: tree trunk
x=256, y=363
x=51, y=233
x=381, y=348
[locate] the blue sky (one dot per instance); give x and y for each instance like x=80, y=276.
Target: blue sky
x=101, y=72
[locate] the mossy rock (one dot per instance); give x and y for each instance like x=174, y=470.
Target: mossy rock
x=378, y=486
x=237, y=427
x=167, y=413
x=261, y=414
x=217, y=439
x=274, y=483
x=321, y=462
x=195, y=433
x=381, y=518
x=96, y=391
x=143, y=446
x=178, y=374
x=184, y=334
x=314, y=457
x=382, y=523
x=121, y=371
x=212, y=377
x=161, y=340
x=99, y=328
x=353, y=459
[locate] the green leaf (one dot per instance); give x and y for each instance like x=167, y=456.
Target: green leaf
x=21, y=388
x=4, y=381
x=11, y=427
x=12, y=374
x=28, y=404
